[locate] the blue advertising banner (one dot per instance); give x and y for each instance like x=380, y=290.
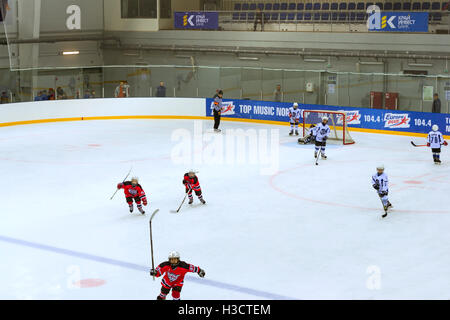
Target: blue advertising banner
x=398, y=21
x=376, y=119
x=196, y=20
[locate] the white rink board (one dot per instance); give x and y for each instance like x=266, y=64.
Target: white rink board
x=102, y=108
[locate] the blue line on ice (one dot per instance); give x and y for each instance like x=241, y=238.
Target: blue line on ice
x=137, y=267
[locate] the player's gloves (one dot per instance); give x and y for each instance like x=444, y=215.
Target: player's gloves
x=144, y=201
x=119, y=185
x=201, y=273
x=428, y=144
x=152, y=272
x=445, y=143
x=376, y=186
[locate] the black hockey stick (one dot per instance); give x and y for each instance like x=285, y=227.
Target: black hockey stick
x=122, y=182
x=184, y=199
x=418, y=145
x=151, y=240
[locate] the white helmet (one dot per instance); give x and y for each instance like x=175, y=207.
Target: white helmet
x=435, y=127
x=135, y=179
x=295, y=104
x=174, y=254
x=380, y=167
x=324, y=118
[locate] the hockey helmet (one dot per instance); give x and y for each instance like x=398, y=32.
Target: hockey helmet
x=325, y=118
x=435, y=127
x=134, y=180
x=192, y=172
x=380, y=167
x=174, y=255
x=295, y=104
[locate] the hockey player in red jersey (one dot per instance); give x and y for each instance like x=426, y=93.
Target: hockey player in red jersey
x=133, y=191
x=174, y=271
x=190, y=181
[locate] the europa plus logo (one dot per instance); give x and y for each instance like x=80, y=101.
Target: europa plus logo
x=396, y=120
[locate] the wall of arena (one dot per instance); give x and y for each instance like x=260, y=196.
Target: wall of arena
x=359, y=119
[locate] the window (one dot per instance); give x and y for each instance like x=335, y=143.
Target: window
x=139, y=9
x=166, y=9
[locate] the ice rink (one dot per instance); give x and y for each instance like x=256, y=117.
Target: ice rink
x=302, y=232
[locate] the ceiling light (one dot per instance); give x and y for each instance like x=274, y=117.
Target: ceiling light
x=249, y=58
x=131, y=54
x=420, y=64
x=371, y=62
x=314, y=60
x=68, y=53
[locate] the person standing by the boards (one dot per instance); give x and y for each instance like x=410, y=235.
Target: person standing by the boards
x=217, y=109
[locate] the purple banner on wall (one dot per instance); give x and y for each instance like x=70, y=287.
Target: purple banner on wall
x=196, y=20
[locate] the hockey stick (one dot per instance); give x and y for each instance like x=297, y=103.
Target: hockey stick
x=418, y=145
x=151, y=240
x=318, y=155
x=122, y=182
x=184, y=199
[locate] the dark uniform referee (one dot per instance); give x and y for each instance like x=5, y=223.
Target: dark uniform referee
x=217, y=109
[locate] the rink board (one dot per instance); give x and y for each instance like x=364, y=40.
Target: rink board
x=358, y=119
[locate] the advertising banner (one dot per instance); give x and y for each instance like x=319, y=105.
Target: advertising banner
x=397, y=21
x=376, y=119
x=196, y=20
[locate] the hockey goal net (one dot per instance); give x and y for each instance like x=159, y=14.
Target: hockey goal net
x=337, y=120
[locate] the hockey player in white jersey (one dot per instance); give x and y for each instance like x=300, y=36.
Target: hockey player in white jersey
x=322, y=131
x=434, y=141
x=294, y=118
x=380, y=182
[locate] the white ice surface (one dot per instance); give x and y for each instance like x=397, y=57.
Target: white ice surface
x=306, y=232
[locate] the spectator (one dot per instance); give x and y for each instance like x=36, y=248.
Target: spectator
x=277, y=95
x=60, y=93
x=161, y=90
x=259, y=18
x=436, y=104
x=87, y=94
x=51, y=94
x=38, y=96
x=4, y=98
x=44, y=95
x=92, y=94
x=123, y=90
